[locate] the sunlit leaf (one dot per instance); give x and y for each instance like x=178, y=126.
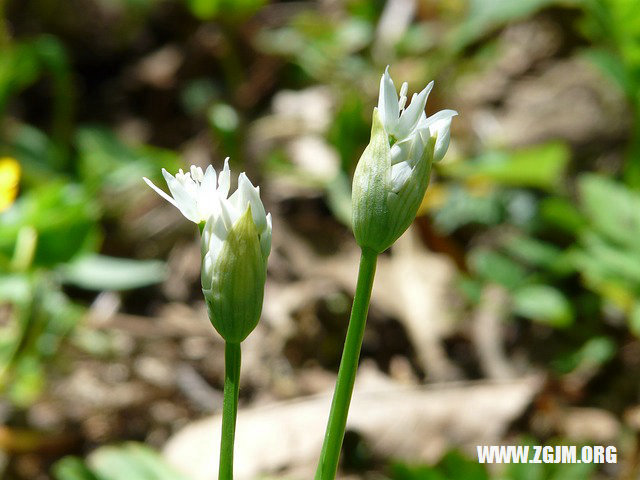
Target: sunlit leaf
x=541, y=166
x=544, y=304
x=99, y=272
x=133, y=462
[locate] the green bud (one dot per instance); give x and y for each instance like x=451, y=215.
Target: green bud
x=388, y=187
x=234, y=275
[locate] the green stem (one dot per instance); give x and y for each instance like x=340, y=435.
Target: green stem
x=328, y=464
x=229, y=408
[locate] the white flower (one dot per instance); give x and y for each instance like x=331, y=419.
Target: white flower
x=235, y=244
x=219, y=225
x=194, y=193
x=393, y=173
x=399, y=122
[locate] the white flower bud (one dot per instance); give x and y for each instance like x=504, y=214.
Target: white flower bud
x=393, y=173
x=235, y=248
x=235, y=244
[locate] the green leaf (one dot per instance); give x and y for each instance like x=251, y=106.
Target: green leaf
x=544, y=304
x=486, y=15
x=458, y=467
x=64, y=217
x=593, y=353
x=99, y=272
x=72, y=468
x=106, y=162
x=634, y=320
x=613, y=210
x=562, y=214
x=614, y=68
x=400, y=471
x=541, y=166
x=497, y=268
x=537, y=253
x=131, y=461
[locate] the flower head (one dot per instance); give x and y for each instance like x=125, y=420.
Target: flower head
x=393, y=173
x=194, y=193
x=235, y=244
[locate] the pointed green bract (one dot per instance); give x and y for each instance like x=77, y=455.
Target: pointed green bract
x=238, y=274
x=382, y=210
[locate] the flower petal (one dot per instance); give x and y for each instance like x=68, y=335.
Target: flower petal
x=400, y=173
x=224, y=179
x=410, y=117
x=441, y=129
x=183, y=199
x=388, y=102
x=160, y=192
x=265, y=238
x=251, y=195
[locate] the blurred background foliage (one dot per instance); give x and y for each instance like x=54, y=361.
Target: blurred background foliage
x=539, y=195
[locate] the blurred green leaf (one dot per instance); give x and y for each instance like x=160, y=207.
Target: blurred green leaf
x=401, y=471
x=232, y=9
x=64, y=218
x=497, y=268
x=537, y=253
x=484, y=16
x=339, y=198
x=544, y=304
x=99, y=272
x=463, y=208
x=634, y=320
x=562, y=214
x=453, y=466
x=37, y=154
x=457, y=466
x=28, y=380
x=131, y=461
x=19, y=67
x=106, y=162
x=540, y=166
x=593, y=353
x=614, y=68
x=72, y=468
x=15, y=288
x=612, y=209
x=34, y=333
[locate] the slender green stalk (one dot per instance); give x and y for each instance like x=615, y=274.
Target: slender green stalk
x=229, y=408
x=328, y=463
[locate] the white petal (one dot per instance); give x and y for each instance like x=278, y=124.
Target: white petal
x=426, y=122
x=206, y=273
x=410, y=117
x=228, y=213
x=217, y=239
x=400, y=150
x=224, y=179
x=250, y=194
x=400, y=173
x=207, y=195
x=207, y=233
x=441, y=129
x=265, y=238
x=388, y=102
x=160, y=192
x=185, y=202
x=403, y=96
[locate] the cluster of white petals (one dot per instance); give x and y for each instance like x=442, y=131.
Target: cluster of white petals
x=410, y=129
x=218, y=226
x=204, y=197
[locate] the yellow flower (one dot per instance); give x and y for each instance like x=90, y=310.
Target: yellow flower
x=9, y=179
